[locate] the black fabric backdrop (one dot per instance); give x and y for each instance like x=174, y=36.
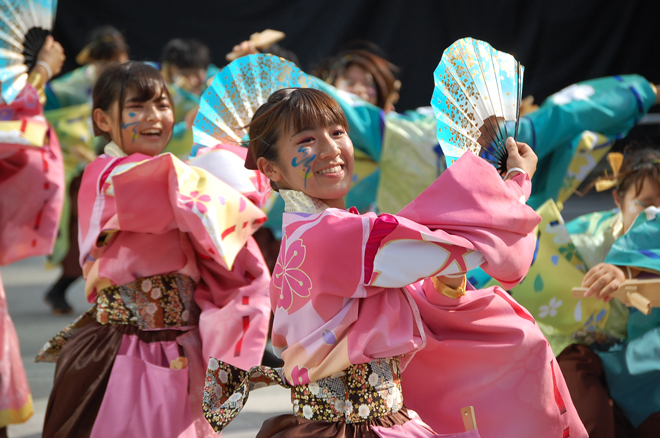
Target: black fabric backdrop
x=559, y=42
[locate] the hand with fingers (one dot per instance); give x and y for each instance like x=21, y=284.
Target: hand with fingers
x=521, y=158
x=50, y=58
x=245, y=48
x=603, y=280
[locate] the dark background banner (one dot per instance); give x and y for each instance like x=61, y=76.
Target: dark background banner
x=559, y=42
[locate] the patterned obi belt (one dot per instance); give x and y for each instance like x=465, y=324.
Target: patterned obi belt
x=360, y=393
x=161, y=301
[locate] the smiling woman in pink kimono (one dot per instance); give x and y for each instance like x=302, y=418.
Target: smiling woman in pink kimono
x=357, y=298
x=173, y=272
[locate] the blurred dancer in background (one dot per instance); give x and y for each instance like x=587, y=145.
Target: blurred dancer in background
x=31, y=196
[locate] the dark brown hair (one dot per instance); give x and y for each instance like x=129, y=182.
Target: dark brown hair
x=106, y=43
x=638, y=166
x=186, y=53
x=381, y=70
x=118, y=79
x=292, y=110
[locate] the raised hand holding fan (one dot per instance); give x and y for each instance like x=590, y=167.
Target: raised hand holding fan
x=476, y=100
x=236, y=93
x=24, y=26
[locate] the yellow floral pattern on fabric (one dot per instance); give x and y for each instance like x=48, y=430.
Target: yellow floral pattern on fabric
x=227, y=216
x=546, y=291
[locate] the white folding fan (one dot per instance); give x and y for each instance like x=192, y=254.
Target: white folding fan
x=477, y=101
x=24, y=26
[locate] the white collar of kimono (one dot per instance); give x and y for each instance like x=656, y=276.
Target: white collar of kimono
x=114, y=151
x=298, y=202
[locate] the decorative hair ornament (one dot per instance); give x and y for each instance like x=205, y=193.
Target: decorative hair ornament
x=647, y=163
x=235, y=94
x=615, y=159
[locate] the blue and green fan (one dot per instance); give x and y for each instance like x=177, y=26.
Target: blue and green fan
x=235, y=94
x=476, y=101
x=24, y=26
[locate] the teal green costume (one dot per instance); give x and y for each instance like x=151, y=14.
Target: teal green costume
x=558, y=132
x=68, y=109
x=632, y=368
x=184, y=101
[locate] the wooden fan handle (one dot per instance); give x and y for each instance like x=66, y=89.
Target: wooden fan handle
x=469, y=419
x=578, y=292
x=635, y=299
x=639, y=302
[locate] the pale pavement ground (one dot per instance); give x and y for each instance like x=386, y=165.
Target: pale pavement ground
x=26, y=281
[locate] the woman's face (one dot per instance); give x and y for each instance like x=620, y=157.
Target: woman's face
x=631, y=205
x=191, y=79
x=358, y=81
x=142, y=127
x=316, y=161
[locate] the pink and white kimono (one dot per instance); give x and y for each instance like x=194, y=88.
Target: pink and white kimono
x=176, y=278
x=354, y=305
x=31, y=197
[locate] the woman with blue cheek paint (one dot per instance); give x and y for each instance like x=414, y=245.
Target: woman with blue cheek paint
x=138, y=125
x=319, y=161
x=373, y=317
x=170, y=268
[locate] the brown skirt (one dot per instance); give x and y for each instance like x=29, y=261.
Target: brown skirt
x=82, y=375
x=585, y=378
x=290, y=426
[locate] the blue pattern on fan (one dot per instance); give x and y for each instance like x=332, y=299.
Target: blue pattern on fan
x=477, y=91
x=236, y=92
x=24, y=25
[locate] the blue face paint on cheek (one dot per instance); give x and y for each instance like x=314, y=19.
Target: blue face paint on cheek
x=306, y=161
x=131, y=115
x=134, y=125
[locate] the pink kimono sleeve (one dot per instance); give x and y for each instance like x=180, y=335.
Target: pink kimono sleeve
x=235, y=316
x=163, y=193
x=468, y=217
x=32, y=185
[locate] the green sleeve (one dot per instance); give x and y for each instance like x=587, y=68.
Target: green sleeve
x=610, y=106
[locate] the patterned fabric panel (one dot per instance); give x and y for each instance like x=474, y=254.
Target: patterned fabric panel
x=360, y=393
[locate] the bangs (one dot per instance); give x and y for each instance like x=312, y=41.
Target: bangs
x=641, y=164
x=144, y=83
x=308, y=108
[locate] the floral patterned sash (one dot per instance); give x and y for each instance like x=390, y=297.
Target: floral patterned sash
x=360, y=393
x=161, y=301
